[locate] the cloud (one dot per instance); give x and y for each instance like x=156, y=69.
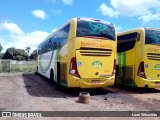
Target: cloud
x=118, y=28
x=143, y=9
x=11, y=27
x=53, y=30
x=108, y=11
x=149, y=17
x=68, y=2
x=53, y=1
x=39, y=14
x=31, y=39
x=2, y=41
x=57, y=11
x=5, y=44
x=135, y=7
x=21, y=41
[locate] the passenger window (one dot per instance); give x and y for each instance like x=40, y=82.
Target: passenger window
x=126, y=42
x=56, y=41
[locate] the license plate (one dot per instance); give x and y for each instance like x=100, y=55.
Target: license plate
x=95, y=81
x=157, y=83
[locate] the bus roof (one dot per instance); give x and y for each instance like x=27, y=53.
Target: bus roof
x=93, y=19
x=152, y=28
x=73, y=19
x=137, y=29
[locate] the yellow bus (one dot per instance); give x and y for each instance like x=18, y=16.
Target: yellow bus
x=82, y=54
x=139, y=58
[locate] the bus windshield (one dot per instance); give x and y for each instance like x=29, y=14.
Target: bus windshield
x=152, y=36
x=95, y=28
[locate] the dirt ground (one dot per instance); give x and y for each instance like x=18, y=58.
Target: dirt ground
x=29, y=92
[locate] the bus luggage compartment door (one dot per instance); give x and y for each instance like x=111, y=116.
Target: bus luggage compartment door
x=94, y=64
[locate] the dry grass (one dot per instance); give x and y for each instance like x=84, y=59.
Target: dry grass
x=17, y=66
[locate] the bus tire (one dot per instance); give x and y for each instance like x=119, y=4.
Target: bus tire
x=36, y=73
x=58, y=73
x=52, y=76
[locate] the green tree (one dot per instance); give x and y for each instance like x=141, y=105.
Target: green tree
x=33, y=55
x=1, y=55
x=28, y=49
x=9, y=53
x=1, y=48
x=15, y=54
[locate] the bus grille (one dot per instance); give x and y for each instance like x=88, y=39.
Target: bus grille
x=153, y=56
x=95, y=52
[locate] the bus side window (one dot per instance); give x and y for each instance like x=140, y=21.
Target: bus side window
x=59, y=45
x=39, y=51
x=42, y=49
x=126, y=42
x=64, y=35
x=48, y=45
x=45, y=47
x=55, y=45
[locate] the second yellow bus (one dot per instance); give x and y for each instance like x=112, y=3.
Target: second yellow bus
x=138, y=62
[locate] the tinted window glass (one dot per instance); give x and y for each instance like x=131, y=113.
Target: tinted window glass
x=95, y=28
x=62, y=36
x=56, y=41
x=126, y=42
x=152, y=36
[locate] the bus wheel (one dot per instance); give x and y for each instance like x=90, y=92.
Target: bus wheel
x=52, y=76
x=36, y=73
